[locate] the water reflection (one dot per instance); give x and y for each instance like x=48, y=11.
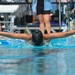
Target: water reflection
x=38, y=61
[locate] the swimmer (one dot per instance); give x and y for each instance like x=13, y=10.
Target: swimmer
x=37, y=37
x=43, y=8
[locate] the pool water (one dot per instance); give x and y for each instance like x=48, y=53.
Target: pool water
x=17, y=57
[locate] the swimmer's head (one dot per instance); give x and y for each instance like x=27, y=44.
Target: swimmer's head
x=37, y=37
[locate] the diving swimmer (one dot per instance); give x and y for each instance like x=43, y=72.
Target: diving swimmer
x=37, y=37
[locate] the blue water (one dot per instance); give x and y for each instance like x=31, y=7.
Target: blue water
x=17, y=57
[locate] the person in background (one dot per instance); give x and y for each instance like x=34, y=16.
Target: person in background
x=42, y=8
x=72, y=21
x=0, y=26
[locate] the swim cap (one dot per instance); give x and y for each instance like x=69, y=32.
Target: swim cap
x=37, y=37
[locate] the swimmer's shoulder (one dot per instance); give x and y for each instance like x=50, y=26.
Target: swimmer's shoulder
x=29, y=41
x=45, y=42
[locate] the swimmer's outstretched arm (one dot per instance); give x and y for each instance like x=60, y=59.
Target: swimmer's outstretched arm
x=59, y=34
x=16, y=35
